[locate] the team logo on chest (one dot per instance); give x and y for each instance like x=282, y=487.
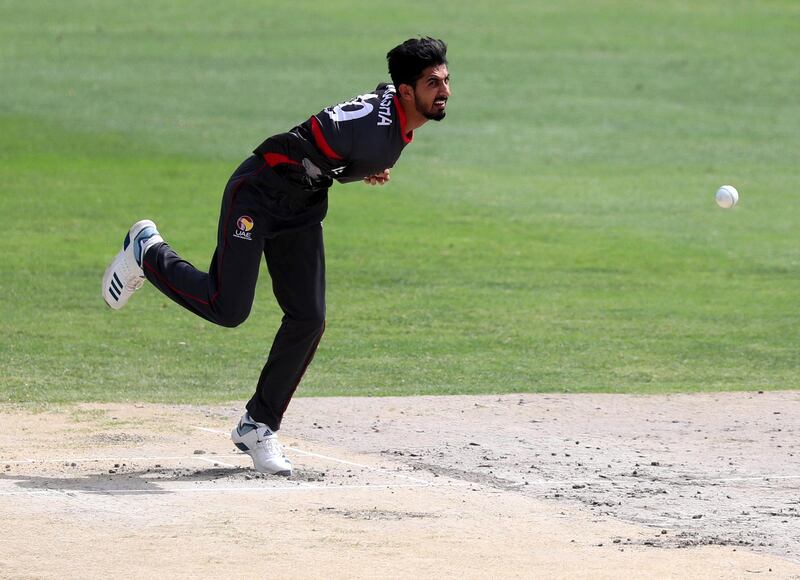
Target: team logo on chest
x=244, y=227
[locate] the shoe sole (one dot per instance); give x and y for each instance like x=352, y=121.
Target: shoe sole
x=111, y=283
x=278, y=473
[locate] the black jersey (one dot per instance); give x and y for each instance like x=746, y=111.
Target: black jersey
x=345, y=142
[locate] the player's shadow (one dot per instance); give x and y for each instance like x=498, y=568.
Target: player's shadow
x=125, y=482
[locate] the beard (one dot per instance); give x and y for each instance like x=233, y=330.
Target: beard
x=429, y=114
x=435, y=116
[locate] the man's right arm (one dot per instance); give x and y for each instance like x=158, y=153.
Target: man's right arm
x=378, y=178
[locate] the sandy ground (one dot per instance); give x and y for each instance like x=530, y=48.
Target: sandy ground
x=517, y=486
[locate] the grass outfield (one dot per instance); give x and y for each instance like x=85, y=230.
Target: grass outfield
x=557, y=232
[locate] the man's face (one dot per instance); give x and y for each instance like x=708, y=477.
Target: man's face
x=432, y=91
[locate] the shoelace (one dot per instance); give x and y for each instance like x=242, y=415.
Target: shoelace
x=270, y=444
x=136, y=283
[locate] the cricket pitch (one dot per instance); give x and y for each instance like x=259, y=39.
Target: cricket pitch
x=511, y=486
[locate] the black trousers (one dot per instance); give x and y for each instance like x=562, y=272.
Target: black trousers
x=296, y=263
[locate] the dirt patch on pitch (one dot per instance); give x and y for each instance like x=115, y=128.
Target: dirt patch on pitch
x=512, y=486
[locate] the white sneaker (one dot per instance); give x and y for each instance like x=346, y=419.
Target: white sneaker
x=124, y=275
x=260, y=443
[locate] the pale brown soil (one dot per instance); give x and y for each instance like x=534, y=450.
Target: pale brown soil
x=517, y=486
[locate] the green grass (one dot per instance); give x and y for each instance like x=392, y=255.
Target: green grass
x=556, y=233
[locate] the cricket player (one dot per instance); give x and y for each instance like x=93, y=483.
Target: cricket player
x=273, y=205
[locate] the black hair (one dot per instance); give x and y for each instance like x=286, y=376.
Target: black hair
x=408, y=60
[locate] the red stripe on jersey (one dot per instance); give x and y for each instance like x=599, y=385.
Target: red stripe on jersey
x=401, y=114
x=319, y=138
x=274, y=159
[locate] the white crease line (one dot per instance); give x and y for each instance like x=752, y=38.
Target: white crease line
x=370, y=468
x=210, y=430
x=337, y=460
x=334, y=459
x=160, y=490
x=207, y=430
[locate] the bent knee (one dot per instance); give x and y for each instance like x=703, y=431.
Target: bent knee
x=232, y=319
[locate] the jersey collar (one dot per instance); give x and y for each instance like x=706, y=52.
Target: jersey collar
x=401, y=115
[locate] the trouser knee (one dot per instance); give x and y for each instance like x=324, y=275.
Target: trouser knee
x=231, y=318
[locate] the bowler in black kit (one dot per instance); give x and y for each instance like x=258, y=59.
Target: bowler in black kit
x=273, y=205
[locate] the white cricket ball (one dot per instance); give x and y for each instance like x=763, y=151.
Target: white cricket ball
x=727, y=196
